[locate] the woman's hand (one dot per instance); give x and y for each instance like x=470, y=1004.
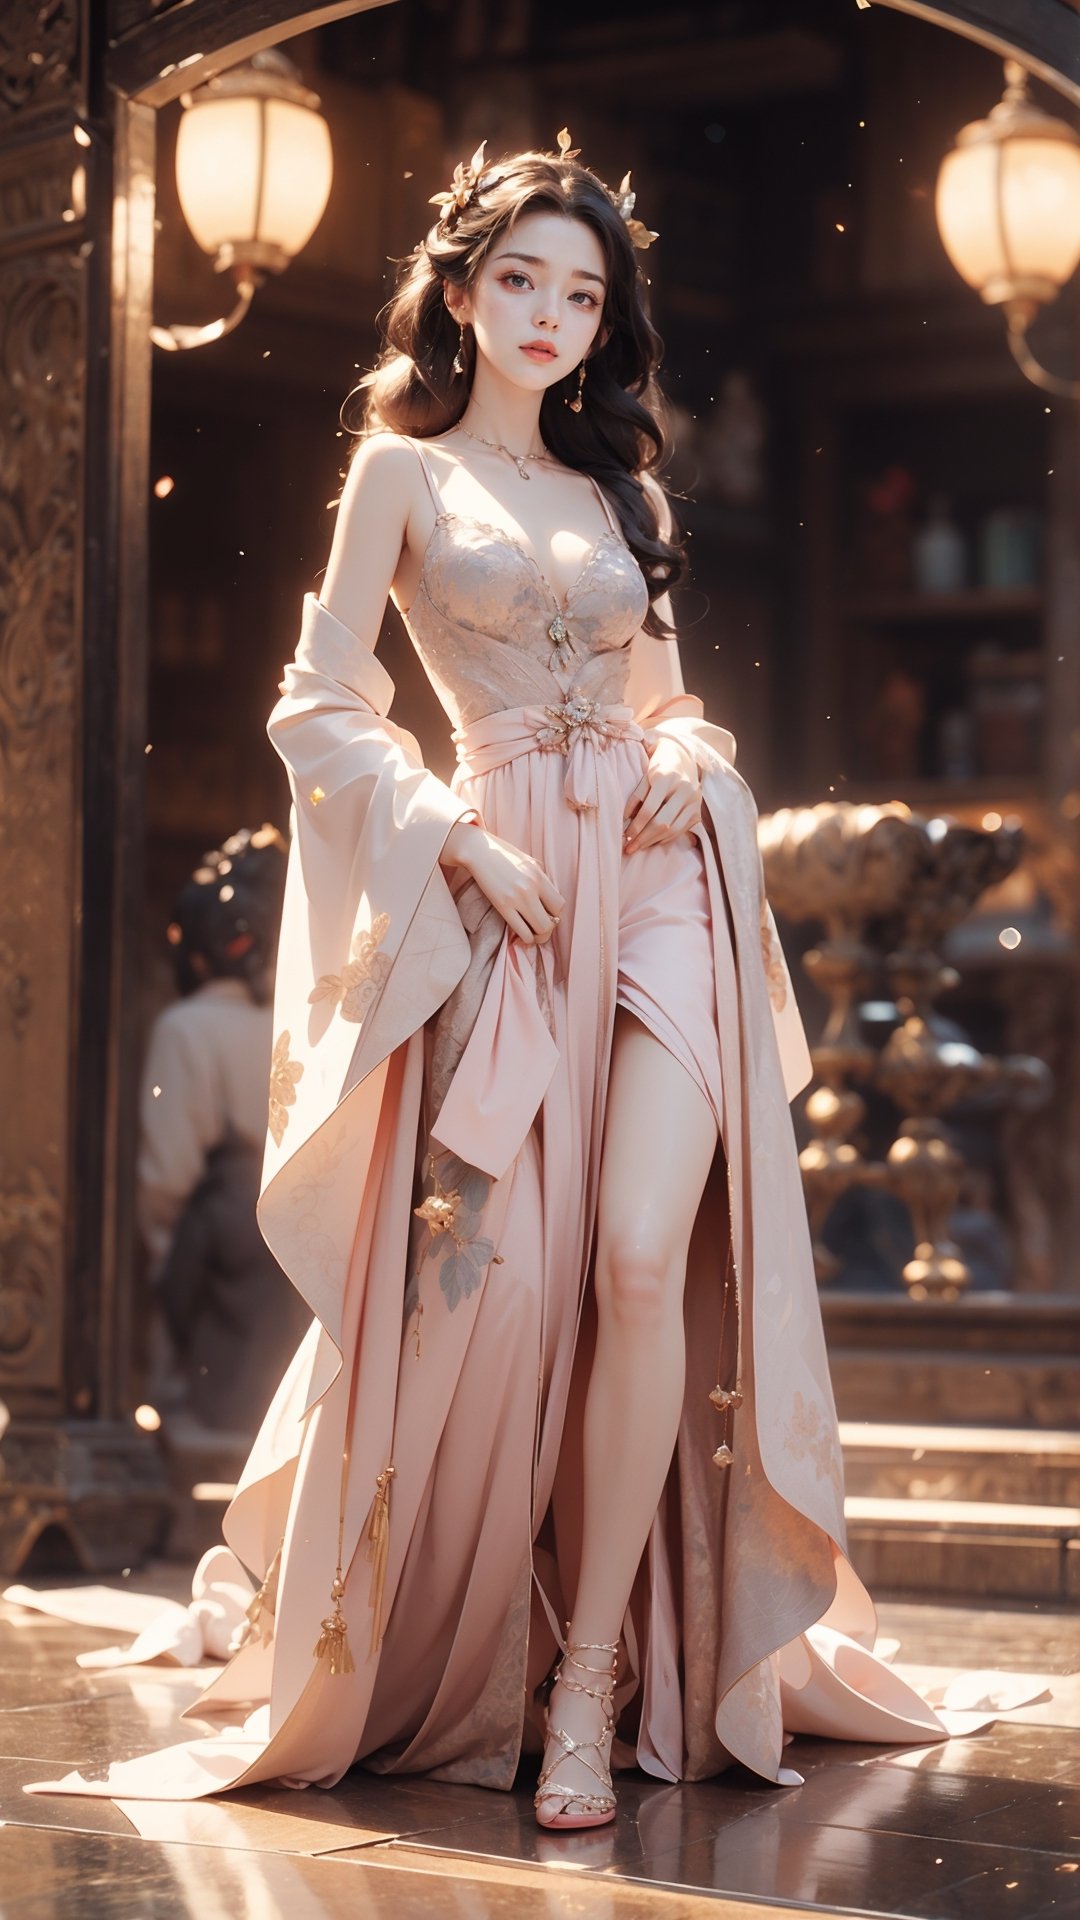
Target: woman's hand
x=667, y=799
x=516, y=885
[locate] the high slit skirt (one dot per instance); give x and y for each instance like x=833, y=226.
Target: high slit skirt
x=487, y=1577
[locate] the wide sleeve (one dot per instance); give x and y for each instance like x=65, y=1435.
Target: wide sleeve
x=332, y=728
x=371, y=941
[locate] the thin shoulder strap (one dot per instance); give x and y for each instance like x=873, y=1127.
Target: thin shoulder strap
x=612, y=517
x=429, y=476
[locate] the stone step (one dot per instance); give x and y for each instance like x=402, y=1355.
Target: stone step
x=973, y=1388
x=978, y=1550
x=994, y=1359
x=1000, y=1464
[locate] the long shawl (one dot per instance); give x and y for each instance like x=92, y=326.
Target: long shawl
x=374, y=943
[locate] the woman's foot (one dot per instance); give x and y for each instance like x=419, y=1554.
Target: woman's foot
x=574, y=1788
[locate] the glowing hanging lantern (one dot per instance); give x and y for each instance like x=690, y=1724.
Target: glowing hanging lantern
x=254, y=167
x=254, y=163
x=1008, y=211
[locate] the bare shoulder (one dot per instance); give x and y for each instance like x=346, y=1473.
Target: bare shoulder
x=378, y=501
x=384, y=460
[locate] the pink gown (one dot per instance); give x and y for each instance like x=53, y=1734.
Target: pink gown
x=461, y=1356
x=636, y=932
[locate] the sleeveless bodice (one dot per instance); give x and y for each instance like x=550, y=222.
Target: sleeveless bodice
x=491, y=632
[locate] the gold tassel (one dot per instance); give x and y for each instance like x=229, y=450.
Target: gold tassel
x=333, y=1641
x=260, y=1610
x=378, y=1534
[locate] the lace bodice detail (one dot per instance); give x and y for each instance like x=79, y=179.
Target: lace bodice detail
x=482, y=615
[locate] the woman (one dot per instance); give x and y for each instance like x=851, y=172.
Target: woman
x=540, y=1016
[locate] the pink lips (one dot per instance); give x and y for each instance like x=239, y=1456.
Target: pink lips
x=536, y=351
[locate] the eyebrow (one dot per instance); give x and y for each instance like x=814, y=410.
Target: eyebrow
x=536, y=260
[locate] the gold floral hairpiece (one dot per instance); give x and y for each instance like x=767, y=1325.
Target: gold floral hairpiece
x=467, y=181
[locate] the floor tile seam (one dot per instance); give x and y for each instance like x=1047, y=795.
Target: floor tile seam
x=402, y=1836
x=905, y=1833
x=48, y=1706
x=380, y=1839
x=626, y=1876
x=233, y=1844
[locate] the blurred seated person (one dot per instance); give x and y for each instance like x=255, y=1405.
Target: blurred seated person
x=229, y=1321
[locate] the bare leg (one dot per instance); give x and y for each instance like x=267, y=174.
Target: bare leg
x=659, y=1141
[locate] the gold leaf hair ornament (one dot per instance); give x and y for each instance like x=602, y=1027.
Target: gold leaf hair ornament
x=641, y=235
x=465, y=183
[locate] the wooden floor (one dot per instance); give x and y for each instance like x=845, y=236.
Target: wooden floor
x=975, y=1829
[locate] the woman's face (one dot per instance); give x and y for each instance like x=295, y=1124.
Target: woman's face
x=537, y=304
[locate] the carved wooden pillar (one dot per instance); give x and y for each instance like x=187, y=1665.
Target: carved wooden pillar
x=76, y=194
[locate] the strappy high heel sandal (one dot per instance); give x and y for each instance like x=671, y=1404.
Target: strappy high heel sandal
x=581, y=1809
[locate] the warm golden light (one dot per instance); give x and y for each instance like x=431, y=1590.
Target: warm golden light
x=253, y=173
x=1008, y=211
x=148, y=1418
x=254, y=167
x=1009, y=215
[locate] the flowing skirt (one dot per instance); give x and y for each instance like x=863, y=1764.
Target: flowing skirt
x=487, y=1573
x=466, y=1333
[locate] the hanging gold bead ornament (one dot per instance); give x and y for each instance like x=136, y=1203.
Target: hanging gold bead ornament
x=458, y=362
x=728, y=1400
x=333, y=1642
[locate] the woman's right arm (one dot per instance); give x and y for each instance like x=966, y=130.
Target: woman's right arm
x=382, y=509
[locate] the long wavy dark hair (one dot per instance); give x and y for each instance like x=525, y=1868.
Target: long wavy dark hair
x=620, y=434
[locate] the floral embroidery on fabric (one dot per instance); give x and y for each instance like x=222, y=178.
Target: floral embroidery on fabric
x=452, y=1211
x=811, y=1437
x=308, y=1197
x=772, y=955
x=284, y=1074
x=360, y=979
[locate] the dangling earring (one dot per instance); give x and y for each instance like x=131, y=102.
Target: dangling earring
x=575, y=404
x=458, y=362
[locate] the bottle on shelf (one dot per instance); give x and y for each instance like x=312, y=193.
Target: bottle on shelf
x=1009, y=543
x=939, y=552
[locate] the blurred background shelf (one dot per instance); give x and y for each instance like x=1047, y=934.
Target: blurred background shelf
x=973, y=603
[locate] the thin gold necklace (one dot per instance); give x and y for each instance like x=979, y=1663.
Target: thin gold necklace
x=499, y=446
